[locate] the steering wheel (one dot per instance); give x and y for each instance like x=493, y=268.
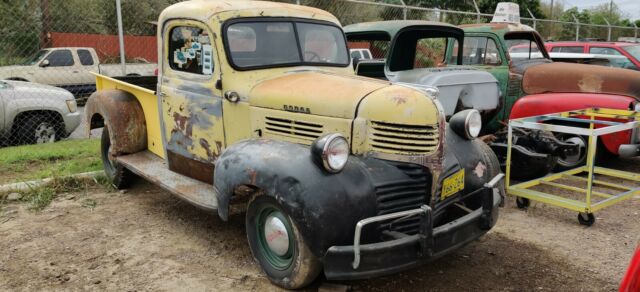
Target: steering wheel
x=314, y=55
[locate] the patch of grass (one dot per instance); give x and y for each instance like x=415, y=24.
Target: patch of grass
x=89, y=203
x=39, y=198
x=29, y=162
x=104, y=182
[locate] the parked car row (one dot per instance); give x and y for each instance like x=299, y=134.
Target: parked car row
x=70, y=68
x=35, y=113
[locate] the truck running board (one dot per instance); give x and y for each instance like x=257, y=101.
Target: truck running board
x=153, y=168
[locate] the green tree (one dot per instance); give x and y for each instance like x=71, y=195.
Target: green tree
x=569, y=32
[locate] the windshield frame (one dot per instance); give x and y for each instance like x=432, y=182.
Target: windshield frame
x=293, y=21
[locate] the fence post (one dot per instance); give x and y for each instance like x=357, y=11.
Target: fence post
x=121, y=37
x=535, y=20
x=404, y=10
x=478, y=12
x=609, y=28
x=635, y=34
x=298, y=2
x=577, y=27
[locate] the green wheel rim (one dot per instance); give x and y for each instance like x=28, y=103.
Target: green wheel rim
x=279, y=262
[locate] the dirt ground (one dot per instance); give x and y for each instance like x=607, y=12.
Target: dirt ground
x=147, y=240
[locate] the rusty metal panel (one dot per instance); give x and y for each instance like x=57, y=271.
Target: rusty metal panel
x=123, y=114
x=154, y=169
x=565, y=77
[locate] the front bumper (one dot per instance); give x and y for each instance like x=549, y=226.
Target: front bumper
x=71, y=122
x=629, y=150
x=378, y=259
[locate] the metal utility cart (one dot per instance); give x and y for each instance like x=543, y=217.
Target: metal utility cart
x=595, y=123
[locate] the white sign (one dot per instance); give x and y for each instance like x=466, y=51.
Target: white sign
x=507, y=12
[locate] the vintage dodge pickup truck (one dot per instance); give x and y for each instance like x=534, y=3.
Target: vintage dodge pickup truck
x=257, y=105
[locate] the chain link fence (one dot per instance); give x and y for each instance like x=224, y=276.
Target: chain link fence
x=49, y=43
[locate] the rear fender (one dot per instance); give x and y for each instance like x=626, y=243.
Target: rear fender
x=548, y=103
x=121, y=112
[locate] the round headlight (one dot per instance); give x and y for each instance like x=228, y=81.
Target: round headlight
x=473, y=124
x=467, y=123
x=637, y=107
x=331, y=152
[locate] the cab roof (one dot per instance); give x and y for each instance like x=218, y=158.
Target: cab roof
x=204, y=10
x=392, y=27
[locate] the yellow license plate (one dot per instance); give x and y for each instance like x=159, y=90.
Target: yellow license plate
x=453, y=184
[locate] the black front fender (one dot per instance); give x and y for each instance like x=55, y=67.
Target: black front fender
x=324, y=206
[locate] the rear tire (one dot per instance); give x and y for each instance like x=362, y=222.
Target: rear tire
x=278, y=246
x=119, y=176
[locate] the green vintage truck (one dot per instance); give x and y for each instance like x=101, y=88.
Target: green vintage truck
x=533, y=84
x=414, y=53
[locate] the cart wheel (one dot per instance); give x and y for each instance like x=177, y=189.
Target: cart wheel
x=586, y=219
x=523, y=203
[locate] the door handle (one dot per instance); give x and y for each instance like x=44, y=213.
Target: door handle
x=232, y=96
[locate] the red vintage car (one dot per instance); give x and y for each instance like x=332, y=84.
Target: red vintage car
x=631, y=280
x=560, y=87
x=629, y=50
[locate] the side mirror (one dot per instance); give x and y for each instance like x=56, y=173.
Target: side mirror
x=44, y=63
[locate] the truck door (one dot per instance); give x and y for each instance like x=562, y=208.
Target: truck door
x=190, y=103
x=87, y=64
x=57, y=68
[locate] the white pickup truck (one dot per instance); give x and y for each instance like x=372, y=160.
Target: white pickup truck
x=70, y=68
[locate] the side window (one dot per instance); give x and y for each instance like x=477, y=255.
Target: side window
x=85, y=57
x=60, y=58
x=557, y=49
x=190, y=50
x=492, y=55
x=604, y=51
x=430, y=52
x=479, y=51
x=572, y=50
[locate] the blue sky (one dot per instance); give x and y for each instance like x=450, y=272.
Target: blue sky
x=630, y=7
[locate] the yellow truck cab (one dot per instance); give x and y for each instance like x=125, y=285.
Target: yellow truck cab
x=348, y=175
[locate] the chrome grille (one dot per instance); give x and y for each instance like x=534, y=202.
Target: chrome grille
x=292, y=128
x=513, y=86
x=403, y=139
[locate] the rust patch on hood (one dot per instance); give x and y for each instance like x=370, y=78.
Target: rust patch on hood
x=568, y=78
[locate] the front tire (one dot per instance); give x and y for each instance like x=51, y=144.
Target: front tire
x=119, y=176
x=38, y=129
x=278, y=246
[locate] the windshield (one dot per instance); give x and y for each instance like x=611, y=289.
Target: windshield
x=261, y=44
x=633, y=51
x=523, y=49
x=35, y=59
